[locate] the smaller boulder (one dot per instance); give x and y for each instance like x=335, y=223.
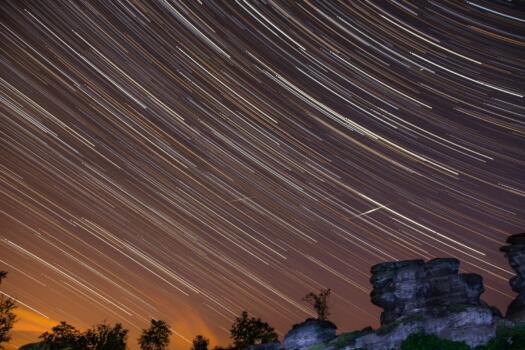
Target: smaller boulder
x=310, y=332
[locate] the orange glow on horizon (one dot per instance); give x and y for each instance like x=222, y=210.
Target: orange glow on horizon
x=29, y=325
x=193, y=325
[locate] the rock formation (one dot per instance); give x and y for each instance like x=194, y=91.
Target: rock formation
x=421, y=297
x=431, y=297
x=515, y=253
x=403, y=288
x=428, y=297
x=312, y=331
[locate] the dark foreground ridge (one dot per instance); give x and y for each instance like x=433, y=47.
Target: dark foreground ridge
x=431, y=298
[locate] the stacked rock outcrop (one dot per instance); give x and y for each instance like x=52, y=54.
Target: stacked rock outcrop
x=403, y=288
x=515, y=253
x=432, y=298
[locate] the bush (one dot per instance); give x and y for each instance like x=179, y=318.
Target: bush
x=507, y=339
x=249, y=331
x=63, y=336
x=106, y=337
x=421, y=341
x=156, y=337
x=200, y=342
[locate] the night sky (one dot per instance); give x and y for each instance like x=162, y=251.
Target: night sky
x=187, y=161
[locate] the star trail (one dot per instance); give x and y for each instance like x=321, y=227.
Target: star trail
x=189, y=160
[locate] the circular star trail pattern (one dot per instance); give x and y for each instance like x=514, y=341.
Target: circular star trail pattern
x=189, y=160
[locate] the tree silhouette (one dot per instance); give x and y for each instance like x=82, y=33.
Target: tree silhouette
x=319, y=303
x=249, y=331
x=66, y=337
x=7, y=316
x=200, y=343
x=156, y=337
x=63, y=336
x=106, y=337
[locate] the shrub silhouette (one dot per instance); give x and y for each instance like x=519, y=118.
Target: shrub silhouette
x=200, y=343
x=62, y=336
x=422, y=341
x=249, y=331
x=106, y=337
x=65, y=336
x=319, y=303
x=156, y=337
x=7, y=317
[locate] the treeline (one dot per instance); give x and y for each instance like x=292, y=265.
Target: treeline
x=102, y=337
x=244, y=331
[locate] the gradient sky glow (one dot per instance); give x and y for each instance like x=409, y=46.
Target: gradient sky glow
x=189, y=160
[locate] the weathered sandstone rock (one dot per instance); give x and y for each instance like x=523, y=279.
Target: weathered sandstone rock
x=308, y=333
x=403, y=288
x=515, y=253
